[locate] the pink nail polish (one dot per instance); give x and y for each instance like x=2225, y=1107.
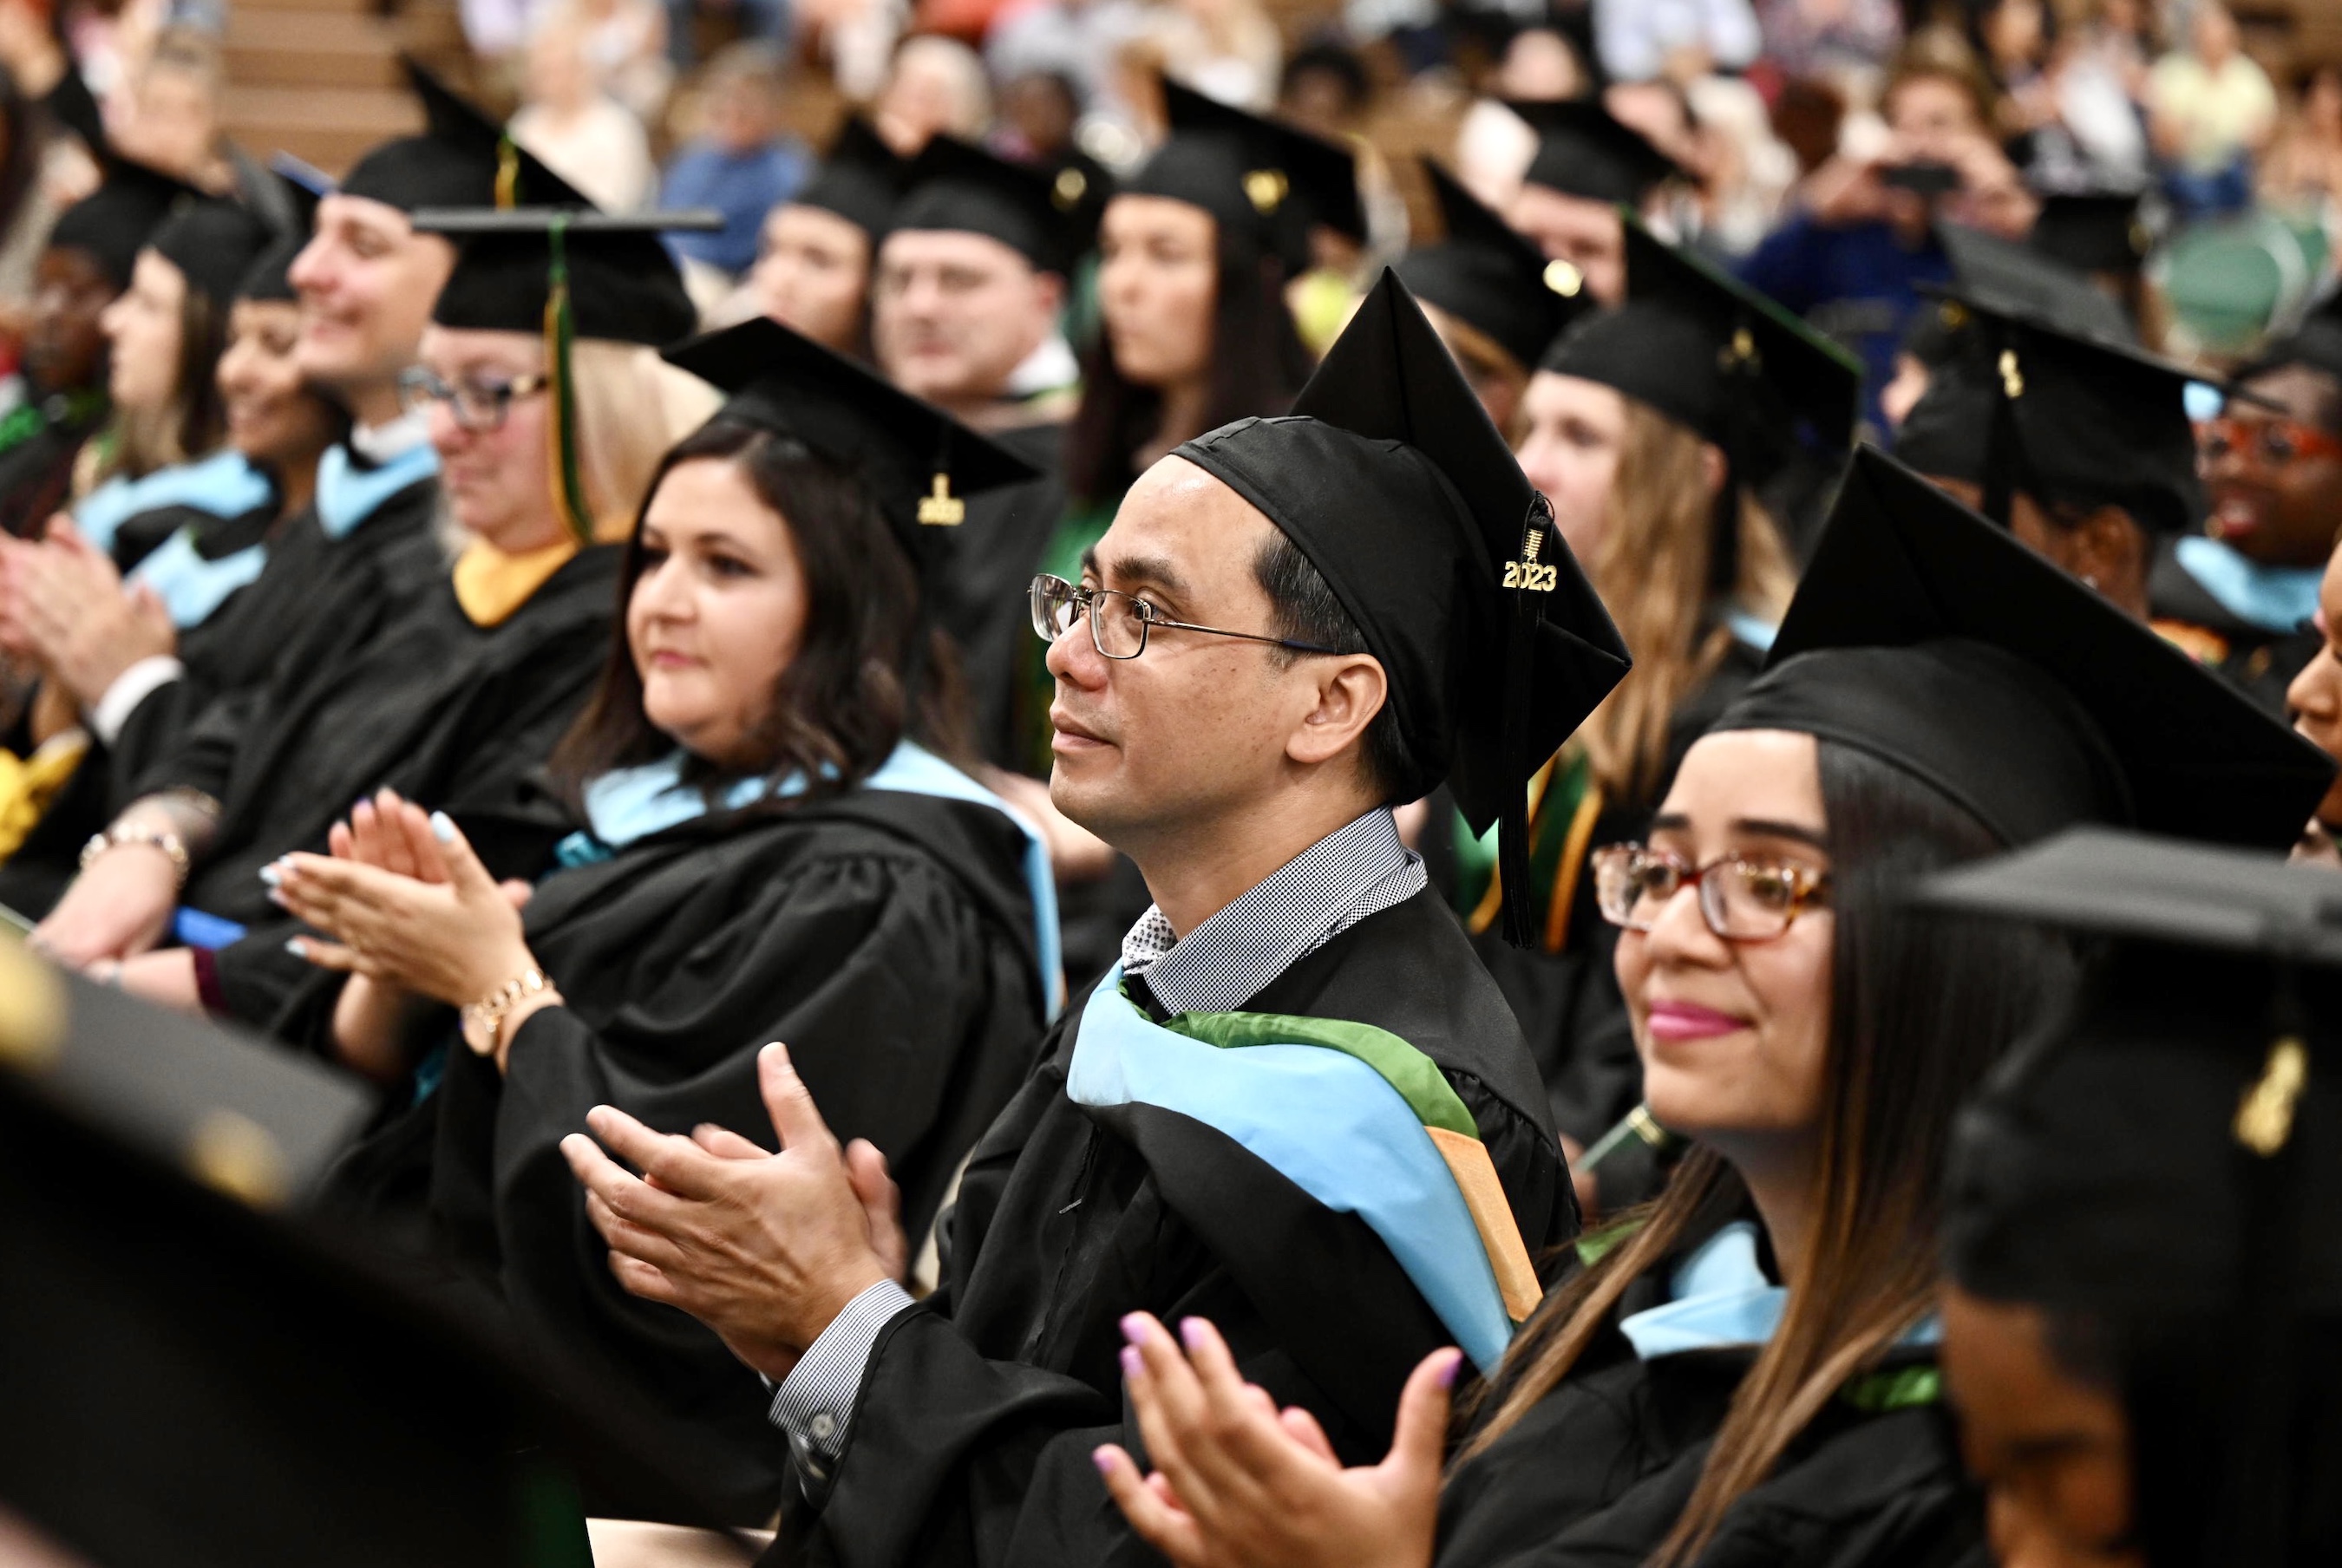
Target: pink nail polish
x=1134, y=1327
x=1103, y=1460
x=1191, y=1332
x=1131, y=1364
x=1447, y=1374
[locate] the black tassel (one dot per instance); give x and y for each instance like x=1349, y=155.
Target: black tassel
x=1529, y=598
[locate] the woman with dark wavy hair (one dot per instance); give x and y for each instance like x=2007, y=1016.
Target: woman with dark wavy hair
x=1746, y=1369
x=767, y=846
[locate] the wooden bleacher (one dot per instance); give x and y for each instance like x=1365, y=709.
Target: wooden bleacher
x=320, y=78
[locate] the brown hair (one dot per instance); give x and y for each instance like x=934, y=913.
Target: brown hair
x=191, y=425
x=866, y=671
x=1921, y=1006
x=1652, y=570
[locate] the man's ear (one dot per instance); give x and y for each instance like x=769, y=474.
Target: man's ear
x=1048, y=292
x=1351, y=690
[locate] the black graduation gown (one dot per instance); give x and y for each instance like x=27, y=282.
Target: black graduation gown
x=980, y=587
x=886, y=937
x=448, y=713
x=2259, y=662
x=366, y=577
x=1598, y=1471
x=971, y=1440
x=37, y=874
x=1569, y=1004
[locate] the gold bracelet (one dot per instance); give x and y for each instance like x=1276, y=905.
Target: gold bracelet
x=483, y=1021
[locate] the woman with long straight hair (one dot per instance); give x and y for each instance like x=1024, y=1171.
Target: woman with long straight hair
x=1745, y=1370
x=770, y=844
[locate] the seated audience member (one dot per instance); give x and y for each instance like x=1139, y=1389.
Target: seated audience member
x=367, y=546
x=2210, y=108
x=814, y=265
x=2121, y=1400
x=2241, y=596
x=1680, y=42
x=1497, y=302
x=581, y=133
x=1649, y=433
x=766, y=851
x=743, y=165
x=192, y=535
x=464, y=691
x=965, y=304
x=1587, y=167
x=62, y=362
x=1857, y=254
x=1205, y=725
x=2081, y=447
x=934, y=86
x=1747, y=1369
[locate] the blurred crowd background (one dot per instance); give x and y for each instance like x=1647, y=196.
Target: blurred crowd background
x=1792, y=117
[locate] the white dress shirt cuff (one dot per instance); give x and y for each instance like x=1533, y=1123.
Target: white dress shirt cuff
x=130, y=688
x=815, y=1402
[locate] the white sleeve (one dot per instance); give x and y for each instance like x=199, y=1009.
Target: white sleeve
x=130, y=688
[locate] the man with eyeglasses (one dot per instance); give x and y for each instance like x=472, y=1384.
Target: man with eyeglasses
x=2241, y=596
x=1298, y=1107
x=360, y=560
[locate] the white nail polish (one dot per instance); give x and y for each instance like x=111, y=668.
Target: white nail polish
x=443, y=827
x=271, y=876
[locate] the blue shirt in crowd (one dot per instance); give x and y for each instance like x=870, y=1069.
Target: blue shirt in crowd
x=1858, y=283
x=743, y=186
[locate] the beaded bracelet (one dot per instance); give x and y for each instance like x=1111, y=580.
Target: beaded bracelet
x=483, y=1021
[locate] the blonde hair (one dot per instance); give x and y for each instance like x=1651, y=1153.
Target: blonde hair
x=1652, y=570
x=632, y=405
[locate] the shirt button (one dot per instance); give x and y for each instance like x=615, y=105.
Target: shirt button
x=821, y=1427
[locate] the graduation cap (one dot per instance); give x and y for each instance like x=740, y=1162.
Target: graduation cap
x=462, y=159
x=2165, y=1163
x=860, y=179
x=214, y=244
x=1389, y=478
x=2019, y=279
x=1721, y=360
x=918, y=463
x=1926, y=637
x=2093, y=231
x=567, y=276
x=199, y=1374
x=1491, y=278
x=1583, y=150
x=113, y=223
x=955, y=185
x=2069, y=419
x=269, y=276
x=1255, y=176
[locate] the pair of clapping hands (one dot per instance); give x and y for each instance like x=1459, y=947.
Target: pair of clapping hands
x=64, y=606
x=1239, y=1483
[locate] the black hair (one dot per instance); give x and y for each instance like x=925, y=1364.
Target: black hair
x=866, y=674
x=1257, y=364
x=1329, y=58
x=1301, y=607
x=20, y=162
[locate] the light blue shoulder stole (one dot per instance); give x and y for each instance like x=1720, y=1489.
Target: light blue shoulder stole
x=224, y=485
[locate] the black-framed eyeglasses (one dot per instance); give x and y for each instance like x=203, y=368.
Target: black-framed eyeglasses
x=477, y=407
x=1120, y=621
x=1742, y=898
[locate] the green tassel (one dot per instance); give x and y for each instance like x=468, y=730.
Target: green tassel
x=560, y=333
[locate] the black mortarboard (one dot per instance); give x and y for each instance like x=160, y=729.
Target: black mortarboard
x=1389, y=478
x=2025, y=406
x=623, y=286
x=1706, y=349
x=954, y=185
x=1583, y=150
x=1256, y=178
x=270, y=274
x=860, y=179
x=917, y=461
x=1924, y=637
x=1491, y=278
x=195, y=1376
x=113, y=223
x=463, y=158
x=2002, y=275
x=2161, y=1167
x=1721, y=360
x=2093, y=231
x=214, y=243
